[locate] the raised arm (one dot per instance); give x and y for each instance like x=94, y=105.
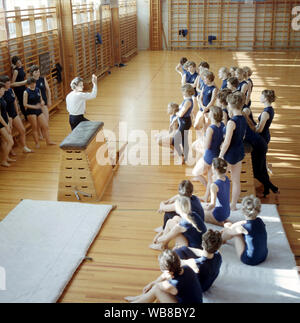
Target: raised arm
x=183, y=80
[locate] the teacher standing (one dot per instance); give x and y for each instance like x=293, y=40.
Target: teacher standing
x=76, y=100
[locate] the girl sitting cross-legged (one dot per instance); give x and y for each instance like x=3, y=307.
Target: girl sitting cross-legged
x=176, y=284
x=250, y=236
x=186, y=229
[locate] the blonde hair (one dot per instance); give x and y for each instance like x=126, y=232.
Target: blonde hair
x=224, y=70
x=240, y=71
x=251, y=206
x=236, y=100
x=188, y=89
x=183, y=205
x=248, y=70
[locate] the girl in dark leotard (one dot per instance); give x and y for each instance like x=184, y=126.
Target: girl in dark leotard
x=177, y=284
x=243, y=85
x=180, y=68
x=205, y=262
x=232, y=149
x=165, y=139
x=19, y=81
x=185, y=122
x=186, y=229
x=250, y=236
x=266, y=117
x=33, y=103
x=222, y=103
x=218, y=211
x=42, y=84
x=206, y=100
x=190, y=76
x=7, y=141
x=212, y=143
x=12, y=111
x=167, y=207
x=248, y=73
x=224, y=76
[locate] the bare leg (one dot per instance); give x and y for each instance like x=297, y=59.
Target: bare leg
x=17, y=123
x=240, y=245
x=209, y=218
x=236, y=184
x=181, y=241
x=156, y=293
x=34, y=126
x=45, y=130
x=6, y=144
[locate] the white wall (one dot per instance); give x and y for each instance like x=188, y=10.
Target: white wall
x=143, y=13
x=143, y=19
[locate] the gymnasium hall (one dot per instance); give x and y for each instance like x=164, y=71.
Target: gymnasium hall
x=149, y=151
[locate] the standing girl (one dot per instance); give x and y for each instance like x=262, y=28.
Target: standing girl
x=184, y=121
x=19, y=75
x=243, y=85
x=213, y=141
x=33, y=103
x=224, y=76
x=232, y=149
x=42, y=84
x=7, y=141
x=12, y=111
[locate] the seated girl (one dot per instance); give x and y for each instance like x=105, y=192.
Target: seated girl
x=251, y=243
x=176, y=284
x=166, y=139
x=186, y=229
x=185, y=188
x=218, y=211
x=205, y=262
x=213, y=140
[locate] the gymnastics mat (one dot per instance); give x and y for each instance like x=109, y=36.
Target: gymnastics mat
x=41, y=245
x=274, y=281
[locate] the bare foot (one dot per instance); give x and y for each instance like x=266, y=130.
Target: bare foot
x=37, y=146
x=130, y=298
x=233, y=207
x=13, y=153
x=5, y=164
x=11, y=160
x=155, y=246
x=51, y=143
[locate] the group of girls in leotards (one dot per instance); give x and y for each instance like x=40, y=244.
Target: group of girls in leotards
x=33, y=97
x=225, y=126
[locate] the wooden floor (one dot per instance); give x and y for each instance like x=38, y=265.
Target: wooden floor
x=138, y=95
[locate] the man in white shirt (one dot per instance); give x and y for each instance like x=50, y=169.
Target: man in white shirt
x=76, y=100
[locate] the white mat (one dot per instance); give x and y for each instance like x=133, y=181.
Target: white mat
x=275, y=280
x=41, y=245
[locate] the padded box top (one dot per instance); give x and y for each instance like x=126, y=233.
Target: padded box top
x=82, y=135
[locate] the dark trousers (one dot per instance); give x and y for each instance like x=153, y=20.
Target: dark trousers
x=181, y=137
x=75, y=120
x=259, y=165
x=168, y=216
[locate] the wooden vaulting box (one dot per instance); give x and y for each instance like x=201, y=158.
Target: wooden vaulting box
x=82, y=177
